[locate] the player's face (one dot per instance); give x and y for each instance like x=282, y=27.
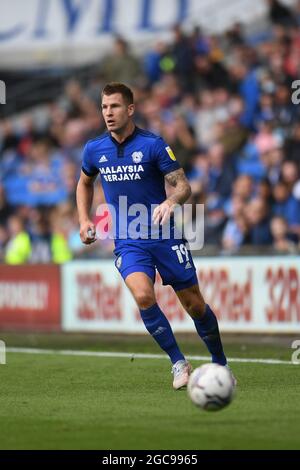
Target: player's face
x=116, y=112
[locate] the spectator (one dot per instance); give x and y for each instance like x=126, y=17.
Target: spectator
x=153, y=62
x=243, y=186
x=18, y=249
x=5, y=208
x=198, y=175
x=290, y=174
x=292, y=144
x=236, y=227
x=60, y=227
x=181, y=140
x=264, y=191
x=40, y=235
x=285, y=205
x=272, y=160
x=284, y=110
x=182, y=53
x=120, y=65
x=258, y=220
x=279, y=14
x=4, y=237
x=283, y=242
x=220, y=175
x=248, y=88
x=209, y=74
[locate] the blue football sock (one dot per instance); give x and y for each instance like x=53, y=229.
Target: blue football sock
x=160, y=329
x=207, y=328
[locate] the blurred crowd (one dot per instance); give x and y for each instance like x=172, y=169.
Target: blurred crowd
x=223, y=103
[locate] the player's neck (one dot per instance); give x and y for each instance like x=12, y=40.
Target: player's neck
x=122, y=135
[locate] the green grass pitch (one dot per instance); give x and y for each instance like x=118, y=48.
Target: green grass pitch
x=68, y=402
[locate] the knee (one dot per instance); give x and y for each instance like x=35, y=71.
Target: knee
x=195, y=307
x=145, y=299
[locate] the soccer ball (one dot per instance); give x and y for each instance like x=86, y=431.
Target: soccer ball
x=211, y=387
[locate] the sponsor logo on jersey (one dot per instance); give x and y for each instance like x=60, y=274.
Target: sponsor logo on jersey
x=103, y=159
x=137, y=157
x=121, y=172
x=170, y=153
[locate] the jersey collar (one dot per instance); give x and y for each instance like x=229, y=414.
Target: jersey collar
x=128, y=139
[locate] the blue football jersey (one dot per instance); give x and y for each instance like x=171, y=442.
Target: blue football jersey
x=132, y=173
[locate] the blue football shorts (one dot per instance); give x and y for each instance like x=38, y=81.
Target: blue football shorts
x=171, y=258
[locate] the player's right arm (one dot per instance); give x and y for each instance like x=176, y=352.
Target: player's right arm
x=84, y=198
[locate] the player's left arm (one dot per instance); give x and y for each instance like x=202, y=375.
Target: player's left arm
x=177, y=180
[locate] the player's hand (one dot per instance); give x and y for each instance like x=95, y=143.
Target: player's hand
x=163, y=212
x=88, y=232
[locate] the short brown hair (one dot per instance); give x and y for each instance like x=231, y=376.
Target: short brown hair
x=116, y=87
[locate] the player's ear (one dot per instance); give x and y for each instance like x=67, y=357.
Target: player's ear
x=130, y=110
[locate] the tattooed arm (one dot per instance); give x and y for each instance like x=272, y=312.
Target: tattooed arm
x=177, y=180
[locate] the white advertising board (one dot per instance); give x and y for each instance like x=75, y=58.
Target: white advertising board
x=247, y=295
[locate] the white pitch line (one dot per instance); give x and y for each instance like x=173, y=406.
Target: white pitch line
x=65, y=352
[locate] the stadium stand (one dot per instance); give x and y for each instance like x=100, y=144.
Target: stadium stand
x=223, y=103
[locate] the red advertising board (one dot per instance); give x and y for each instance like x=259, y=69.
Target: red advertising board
x=30, y=298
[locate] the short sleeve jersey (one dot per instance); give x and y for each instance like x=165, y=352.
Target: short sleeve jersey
x=132, y=176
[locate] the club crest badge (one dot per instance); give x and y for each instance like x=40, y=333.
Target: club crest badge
x=137, y=157
x=119, y=262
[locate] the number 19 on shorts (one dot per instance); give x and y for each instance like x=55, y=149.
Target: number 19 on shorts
x=181, y=252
